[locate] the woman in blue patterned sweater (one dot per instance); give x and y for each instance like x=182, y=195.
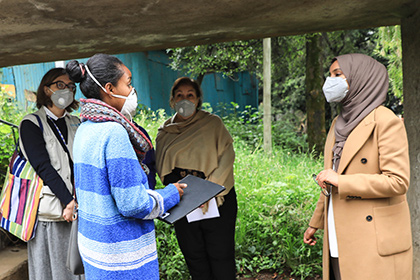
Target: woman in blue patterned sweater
x=116, y=205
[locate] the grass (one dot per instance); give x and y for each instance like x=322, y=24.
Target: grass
x=276, y=199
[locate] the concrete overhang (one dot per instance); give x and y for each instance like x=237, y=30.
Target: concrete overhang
x=47, y=30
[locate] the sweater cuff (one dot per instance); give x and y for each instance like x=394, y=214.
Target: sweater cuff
x=170, y=196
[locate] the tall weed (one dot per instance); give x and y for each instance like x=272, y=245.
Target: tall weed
x=276, y=198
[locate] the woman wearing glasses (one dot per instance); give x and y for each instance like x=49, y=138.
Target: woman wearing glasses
x=363, y=208
x=46, y=140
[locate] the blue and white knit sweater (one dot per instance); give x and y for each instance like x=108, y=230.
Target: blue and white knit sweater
x=116, y=206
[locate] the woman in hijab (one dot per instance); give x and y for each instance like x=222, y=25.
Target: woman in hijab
x=363, y=208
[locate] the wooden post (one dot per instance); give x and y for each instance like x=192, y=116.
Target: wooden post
x=410, y=31
x=267, y=95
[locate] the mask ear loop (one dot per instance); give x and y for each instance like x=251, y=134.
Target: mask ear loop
x=93, y=78
x=133, y=90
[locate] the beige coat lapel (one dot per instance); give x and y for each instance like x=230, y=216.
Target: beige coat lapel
x=329, y=143
x=356, y=140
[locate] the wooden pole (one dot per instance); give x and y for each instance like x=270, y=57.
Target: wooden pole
x=267, y=95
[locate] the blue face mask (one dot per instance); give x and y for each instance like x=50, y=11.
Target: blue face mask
x=335, y=89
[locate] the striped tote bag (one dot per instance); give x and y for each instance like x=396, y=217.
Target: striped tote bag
x=19, y=198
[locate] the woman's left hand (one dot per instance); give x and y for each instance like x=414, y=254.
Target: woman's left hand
x=327, y=176
x=68, y=211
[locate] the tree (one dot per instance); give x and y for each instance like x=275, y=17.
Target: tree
x=227, y=58
x=389, y=48
x=315, y=101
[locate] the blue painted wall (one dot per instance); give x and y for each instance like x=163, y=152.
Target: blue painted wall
x=152, y=78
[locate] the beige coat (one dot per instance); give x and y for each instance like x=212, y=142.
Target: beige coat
x=371, y=212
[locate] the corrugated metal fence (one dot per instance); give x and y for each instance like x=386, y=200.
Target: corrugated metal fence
x=152, y=78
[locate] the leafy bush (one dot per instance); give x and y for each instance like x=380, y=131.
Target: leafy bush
x=150, y=120
x=247, y=127
x=10, y=113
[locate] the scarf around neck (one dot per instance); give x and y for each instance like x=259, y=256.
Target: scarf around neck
x=98, y=111
x=368, y=87
x=201, y=143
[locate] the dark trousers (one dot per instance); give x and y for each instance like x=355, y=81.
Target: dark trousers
x=209, y=245
x=334, y=269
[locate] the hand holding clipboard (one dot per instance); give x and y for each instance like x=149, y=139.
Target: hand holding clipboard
x=197, y=193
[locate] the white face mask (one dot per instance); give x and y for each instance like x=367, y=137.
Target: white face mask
x=130, y=105
x=62, y=97
x=335, y=89
x=185, y=108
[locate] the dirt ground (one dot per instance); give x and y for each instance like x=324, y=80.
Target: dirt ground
x=275, y=276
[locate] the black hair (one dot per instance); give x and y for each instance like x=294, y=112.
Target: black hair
x=105, y=68
x=42, y=99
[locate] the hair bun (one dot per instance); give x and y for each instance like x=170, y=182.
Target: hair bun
x=76, y=71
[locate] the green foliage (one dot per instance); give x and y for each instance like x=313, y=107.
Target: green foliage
x=246, y=127
x=10, y=113
x=276, y=198
x=227, y=58
x=349, y=41
x=390, y=50
x=150, y=120
x=172, y=265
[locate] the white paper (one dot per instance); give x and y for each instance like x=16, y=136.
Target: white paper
x=197, y=214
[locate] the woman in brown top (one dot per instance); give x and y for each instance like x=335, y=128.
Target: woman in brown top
x=196, y=142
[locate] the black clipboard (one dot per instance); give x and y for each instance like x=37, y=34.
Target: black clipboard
x=196, y=193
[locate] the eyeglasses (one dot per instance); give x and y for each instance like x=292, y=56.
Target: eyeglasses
x=324, y=191
x=63, y=85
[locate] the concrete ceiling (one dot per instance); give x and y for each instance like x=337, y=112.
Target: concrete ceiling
x=48, y=30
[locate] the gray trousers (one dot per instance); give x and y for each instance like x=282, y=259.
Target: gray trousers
x=47, y=252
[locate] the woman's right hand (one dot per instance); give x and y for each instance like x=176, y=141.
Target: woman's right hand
x=180, y=187
x=309, y=236
x=68, y=211
x=327, y=176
